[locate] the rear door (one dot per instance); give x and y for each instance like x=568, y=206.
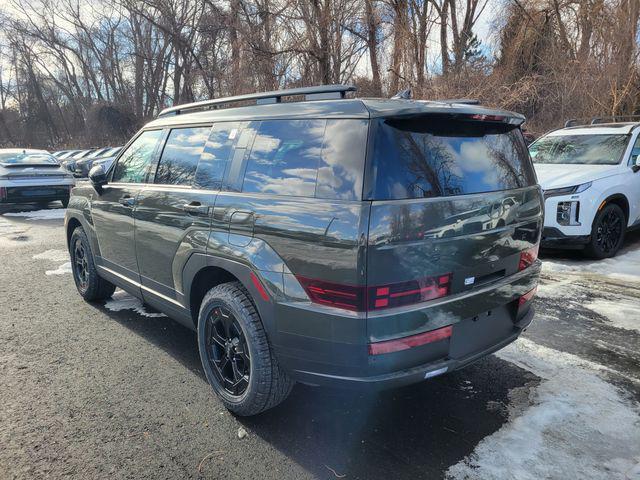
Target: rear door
x=454, y=204
x=172, y=217
x=113, y=205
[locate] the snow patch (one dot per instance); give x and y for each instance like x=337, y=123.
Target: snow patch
x=563, y=289
x=61, y=270
x=48, y=214
x=573, y=425
x=53, y=255
x=8, y=228
x=121, y=300
x=621, y=313
x=624, y=266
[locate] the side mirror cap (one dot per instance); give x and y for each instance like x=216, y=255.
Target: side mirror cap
x=98, y=176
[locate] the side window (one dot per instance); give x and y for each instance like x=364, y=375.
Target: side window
x=342, y=164
x=216, y=155
x=180, y=156
x=285, y=157
x=134, y=163
x=635, y=152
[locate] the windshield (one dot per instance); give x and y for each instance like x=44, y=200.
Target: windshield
x=579, y=149
x=27, y=158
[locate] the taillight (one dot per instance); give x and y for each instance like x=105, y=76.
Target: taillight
x=360, y=298
x=406, y=293
x=528, y=257
x=527, y=296
x=337, y=295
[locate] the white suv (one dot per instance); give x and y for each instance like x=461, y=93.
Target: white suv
x=591, y=180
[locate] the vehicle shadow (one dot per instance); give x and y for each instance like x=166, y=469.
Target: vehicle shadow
x=413, y=432
x=28, y=207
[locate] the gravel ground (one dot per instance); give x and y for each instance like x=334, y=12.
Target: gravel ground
x=114, y=391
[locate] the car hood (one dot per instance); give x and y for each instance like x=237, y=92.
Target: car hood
x=564, y=175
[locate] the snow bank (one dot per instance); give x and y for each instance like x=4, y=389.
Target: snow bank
x=61, y=270
x=121, y=300
x=48, y=214
x=53, y=255
x=624, y=266
x=621, y=313
x=573, y=425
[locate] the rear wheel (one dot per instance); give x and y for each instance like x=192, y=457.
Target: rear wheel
x=607, y=232
x=91, y=286
x=235, y=352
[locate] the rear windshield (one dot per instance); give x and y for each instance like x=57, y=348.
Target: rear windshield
x=440, y=157
x=579, y=149
x=27, y=159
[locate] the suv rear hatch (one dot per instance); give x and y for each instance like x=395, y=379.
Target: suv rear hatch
x=455, y=222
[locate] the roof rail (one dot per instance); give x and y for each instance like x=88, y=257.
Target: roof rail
x=614, y=119
x=463, y=101
x=574, y=122
x=321, y=92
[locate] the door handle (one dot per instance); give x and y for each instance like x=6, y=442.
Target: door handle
x=127, y=201
x=240, y=216
x=196, y=208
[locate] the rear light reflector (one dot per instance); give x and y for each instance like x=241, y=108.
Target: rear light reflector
x=259, y=287
x=389, y=346
x=527, y=296
x=528, y=257
x=361, y=298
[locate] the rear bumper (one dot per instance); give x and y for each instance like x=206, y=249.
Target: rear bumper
x=491, y=320
x=415, y=374
x=553, y=238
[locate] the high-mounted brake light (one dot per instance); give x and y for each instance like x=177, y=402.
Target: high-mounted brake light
x=488, y=118
x=528, y=257
x=361, y=298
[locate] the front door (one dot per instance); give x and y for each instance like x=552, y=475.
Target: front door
x=113, y=206
x=173, y=214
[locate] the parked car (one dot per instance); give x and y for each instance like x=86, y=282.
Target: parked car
x=591, y=186
x=66, y=154
x=101, y=156
x=28, y=176
x=290, y=236
x=71, y=161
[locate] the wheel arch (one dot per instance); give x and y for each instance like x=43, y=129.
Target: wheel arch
x=72, y=224
x=618, y=199
x=203, y=272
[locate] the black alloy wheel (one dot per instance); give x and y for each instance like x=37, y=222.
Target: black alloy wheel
x=227, y=351
x=607, y=233
x=80, y=265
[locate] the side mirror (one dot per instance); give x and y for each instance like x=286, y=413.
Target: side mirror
x=635, y=162
x=98, y=176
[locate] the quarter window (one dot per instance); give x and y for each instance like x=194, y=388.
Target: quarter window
x=284, y=158
x=133, y=165
x=180, y=156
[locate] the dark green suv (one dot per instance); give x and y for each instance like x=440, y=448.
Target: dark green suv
x=331, y=241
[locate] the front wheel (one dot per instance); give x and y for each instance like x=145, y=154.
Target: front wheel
x=91, y=286
x=236, y=356
x=607, y=232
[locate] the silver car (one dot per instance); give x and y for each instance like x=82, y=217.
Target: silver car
x=28, y=176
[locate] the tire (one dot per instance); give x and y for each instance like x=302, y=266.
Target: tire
x=261, y=383
x=607, y=232
x=91, y=286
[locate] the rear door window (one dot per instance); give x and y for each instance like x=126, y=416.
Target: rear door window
x=439, y=157
x=180, y=156
x=133, y=165
x=217, y=154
